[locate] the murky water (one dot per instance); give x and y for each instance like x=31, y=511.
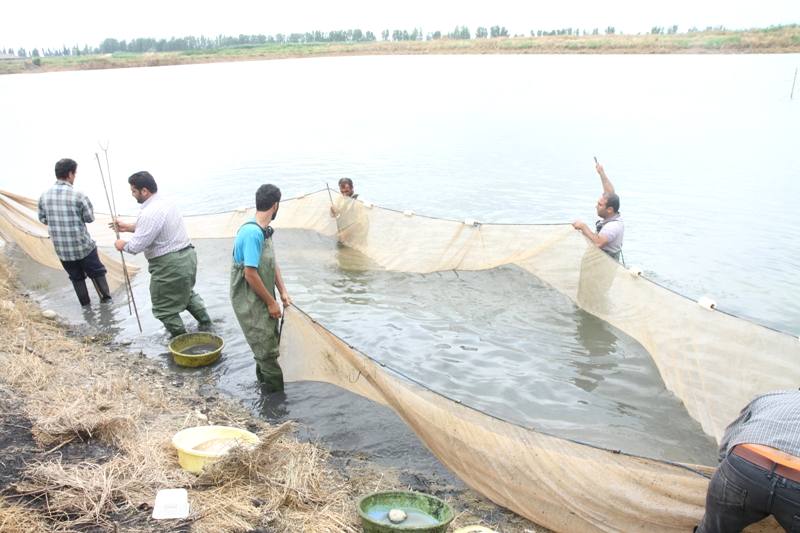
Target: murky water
x=414, y=517
x=500, y=139
x=199, y=349
x=497, y=340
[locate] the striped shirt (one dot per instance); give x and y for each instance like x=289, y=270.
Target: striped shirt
x=159, y=229
x=772, y=419
x=65, y=212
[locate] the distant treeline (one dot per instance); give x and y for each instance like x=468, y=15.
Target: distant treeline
x=179, y=44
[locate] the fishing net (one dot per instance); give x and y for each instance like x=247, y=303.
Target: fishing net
x=19, y=223
x=713, y=362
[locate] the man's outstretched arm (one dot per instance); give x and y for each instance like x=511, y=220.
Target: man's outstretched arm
x=608, y=188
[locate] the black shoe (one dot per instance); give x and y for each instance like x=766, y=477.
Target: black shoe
x=101, y=286
x=82, y=292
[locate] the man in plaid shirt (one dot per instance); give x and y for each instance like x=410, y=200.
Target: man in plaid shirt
x=65, y=212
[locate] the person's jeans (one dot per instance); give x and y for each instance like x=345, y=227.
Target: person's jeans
x=741, y=493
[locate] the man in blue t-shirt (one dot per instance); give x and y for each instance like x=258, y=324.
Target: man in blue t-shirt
x=254, y=276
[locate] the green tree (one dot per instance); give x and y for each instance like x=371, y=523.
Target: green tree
x=481, y=33
x=109, y=46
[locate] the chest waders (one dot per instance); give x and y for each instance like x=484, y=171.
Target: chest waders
x=260, y=330
x=172, y=279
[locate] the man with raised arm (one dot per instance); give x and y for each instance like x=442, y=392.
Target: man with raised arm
x=610, y=229
x=66, y=212
x=160, y=233
x=254, y=276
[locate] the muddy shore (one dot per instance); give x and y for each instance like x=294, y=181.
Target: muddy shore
x=85, y=445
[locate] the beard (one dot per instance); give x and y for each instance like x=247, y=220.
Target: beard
x=275, y=213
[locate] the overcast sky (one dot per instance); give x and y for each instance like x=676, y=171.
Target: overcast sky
x=53, y=23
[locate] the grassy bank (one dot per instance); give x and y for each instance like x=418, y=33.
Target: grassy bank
x=784, y=39
x=85, y=445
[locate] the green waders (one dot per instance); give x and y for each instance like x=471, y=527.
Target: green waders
x=172, y=278
x=260, y=330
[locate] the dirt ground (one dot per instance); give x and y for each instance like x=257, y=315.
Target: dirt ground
x=85, y=446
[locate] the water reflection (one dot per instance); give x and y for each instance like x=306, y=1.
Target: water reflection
x=600, y=343
x=102, y=318
x=500, y=341
x=351, y=275
x=272, y=406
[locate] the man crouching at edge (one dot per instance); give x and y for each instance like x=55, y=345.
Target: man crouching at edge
x=254, y=276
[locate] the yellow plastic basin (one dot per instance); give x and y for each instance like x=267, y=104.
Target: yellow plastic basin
x=202, y=445
x=205, y=347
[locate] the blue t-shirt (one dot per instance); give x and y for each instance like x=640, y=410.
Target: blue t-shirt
x=248, y=245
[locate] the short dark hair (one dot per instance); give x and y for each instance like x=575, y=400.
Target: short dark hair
x=64, y=167
x=266, y=196
x=347, y=181
x=612, y=201
x=143, y=180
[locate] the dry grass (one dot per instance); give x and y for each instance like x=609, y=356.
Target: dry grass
x=15, y=517
x=74, y=391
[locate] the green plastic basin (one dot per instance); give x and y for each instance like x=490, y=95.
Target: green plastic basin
x=425, y=513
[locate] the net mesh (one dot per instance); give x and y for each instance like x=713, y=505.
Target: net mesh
x=19, y=223
x=713, y=362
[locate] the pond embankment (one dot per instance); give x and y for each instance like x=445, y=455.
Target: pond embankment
x=776, y=40
x=85, y=445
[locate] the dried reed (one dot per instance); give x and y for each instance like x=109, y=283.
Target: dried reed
x=75, y=392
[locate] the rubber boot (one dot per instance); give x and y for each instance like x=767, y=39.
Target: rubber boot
x=174, y=324
x=82, y=292
x=101, y=286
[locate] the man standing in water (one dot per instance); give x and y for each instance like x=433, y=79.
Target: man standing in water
x=610, y=229
x=346, y=190
x=160, y=233
x=760, y=470
x=66, y=212
x=254, y=276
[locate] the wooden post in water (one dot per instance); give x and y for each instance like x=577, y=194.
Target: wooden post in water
x=791, y=95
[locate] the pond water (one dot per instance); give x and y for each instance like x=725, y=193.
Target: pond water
x=702, y=150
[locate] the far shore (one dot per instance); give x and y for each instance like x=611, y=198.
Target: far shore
x=779, y=40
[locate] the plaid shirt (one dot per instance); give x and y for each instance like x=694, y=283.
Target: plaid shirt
x=65, y=212
x=771, y=419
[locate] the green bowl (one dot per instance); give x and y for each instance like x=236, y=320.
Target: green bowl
x=196, y=349
x=425, y=513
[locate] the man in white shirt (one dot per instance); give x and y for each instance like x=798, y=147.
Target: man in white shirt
x=160, y=233
x=610, y=230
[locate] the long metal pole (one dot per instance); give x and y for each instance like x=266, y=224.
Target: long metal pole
x=128, y=286
x=110, y=181
x=329, y=192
